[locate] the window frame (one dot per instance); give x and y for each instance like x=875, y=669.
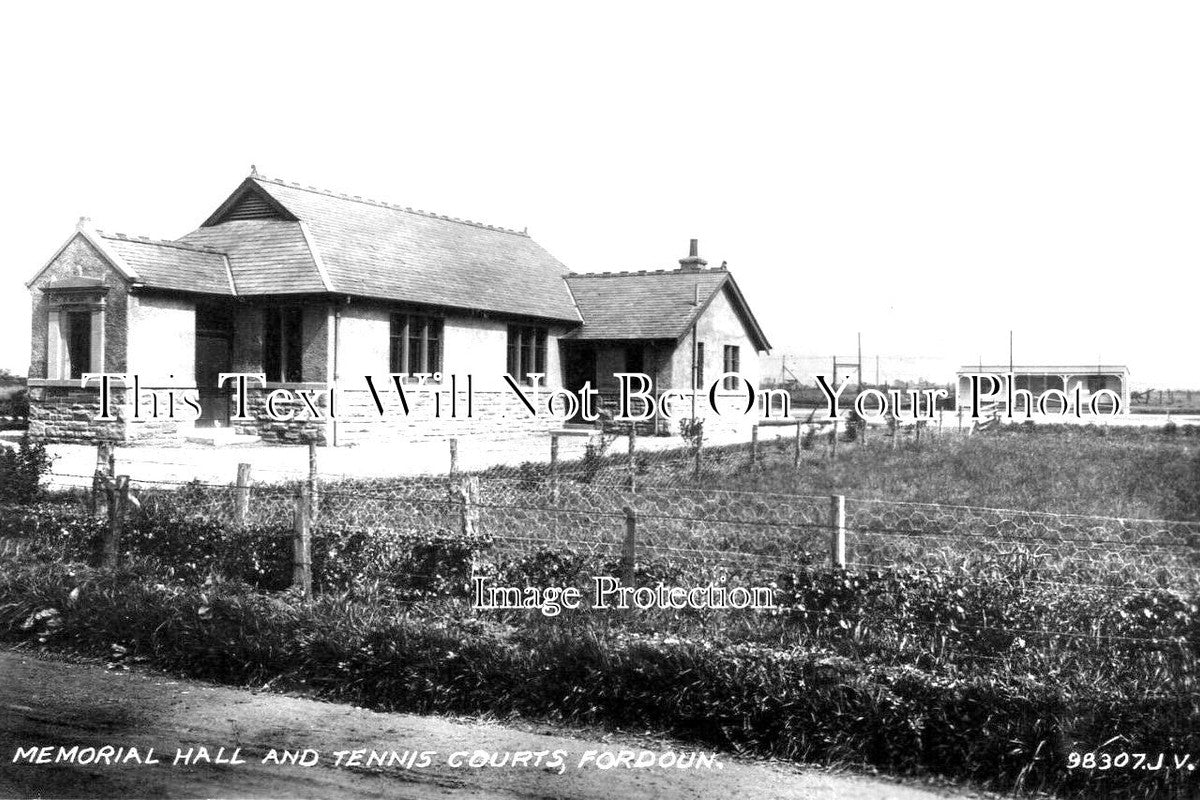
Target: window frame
x=527, y=342
x=283, y=344
x=70, y=353
x=77, y=342
x=429, y=330
x=732, y=363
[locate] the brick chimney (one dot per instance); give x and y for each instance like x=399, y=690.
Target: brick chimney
x=693, y=262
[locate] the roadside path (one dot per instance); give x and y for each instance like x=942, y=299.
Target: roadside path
x=53, y=703
x=73, y=464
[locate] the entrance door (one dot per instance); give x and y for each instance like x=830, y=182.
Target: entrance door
x=214, y=355
x=579, y=367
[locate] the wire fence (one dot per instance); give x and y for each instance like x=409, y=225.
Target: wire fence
x=586, y=505
x=1105, y=591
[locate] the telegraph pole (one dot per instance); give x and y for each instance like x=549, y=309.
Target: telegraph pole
x=860, y=361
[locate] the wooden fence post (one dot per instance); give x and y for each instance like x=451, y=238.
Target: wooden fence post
x=302, y=543
x=833, y=442
x=454, y=457
x=796, y=452
x=754, y=446
x=918, y=433
x=629, y=553
x=105, y=465
x=118, y=494
x=467, y=489
x=241, y=495
x=837, y=530
x=632, y=456
x=699, y=454
x=554, y=467
x=314, y=495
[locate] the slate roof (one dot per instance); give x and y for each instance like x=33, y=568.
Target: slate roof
x=352, y=246
x=271, y=237
x=266, y=256
x=652, y=304
x=172, y=265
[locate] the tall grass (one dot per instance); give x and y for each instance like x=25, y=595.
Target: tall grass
x=824, y=696
x=1142, y=473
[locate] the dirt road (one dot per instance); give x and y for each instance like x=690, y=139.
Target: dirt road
x=53, y=704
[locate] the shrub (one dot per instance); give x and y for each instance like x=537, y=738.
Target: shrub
x=532, y=474
x=386, y=564
x=14, y=401
x=21, y=471
x=693, y=431
x=393, y=565
x=54, y=531
x=545, y=567
x=806, y=440
x=1007, y=729
x=854, y=426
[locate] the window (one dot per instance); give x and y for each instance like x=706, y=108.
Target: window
x=79, y=343
x=283, y=342
x=526, y=351
x=416, y=344
x=699, y=366
x=75, y=331
x=732, y=364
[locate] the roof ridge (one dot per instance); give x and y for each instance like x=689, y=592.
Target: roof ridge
x=121, y=237
x=624, y=273
x=392, y=206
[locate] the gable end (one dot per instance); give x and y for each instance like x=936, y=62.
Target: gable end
x=251, y=206
x=249, y=201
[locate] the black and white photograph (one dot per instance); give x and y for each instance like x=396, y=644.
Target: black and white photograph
x=638, y=400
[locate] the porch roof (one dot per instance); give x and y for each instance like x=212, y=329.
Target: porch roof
x=653, y=304
x=171, y=265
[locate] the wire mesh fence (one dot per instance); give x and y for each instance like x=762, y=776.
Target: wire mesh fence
x=708, y=531
x=1028, y=583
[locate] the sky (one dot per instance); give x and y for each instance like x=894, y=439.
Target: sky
x=930, y=175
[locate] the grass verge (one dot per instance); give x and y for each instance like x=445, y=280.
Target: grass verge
x=997, y=728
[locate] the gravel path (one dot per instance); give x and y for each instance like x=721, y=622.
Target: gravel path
x=51, y=704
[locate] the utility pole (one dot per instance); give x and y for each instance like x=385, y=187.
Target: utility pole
x=860, y=361
x=857, y=365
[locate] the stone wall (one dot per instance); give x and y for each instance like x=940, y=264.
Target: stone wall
x=68, y=414
x=303, y=428
x=495, y=416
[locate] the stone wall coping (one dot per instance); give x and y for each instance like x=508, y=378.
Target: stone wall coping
x=65, y=383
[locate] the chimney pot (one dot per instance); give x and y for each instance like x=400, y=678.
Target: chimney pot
x=693, y=261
